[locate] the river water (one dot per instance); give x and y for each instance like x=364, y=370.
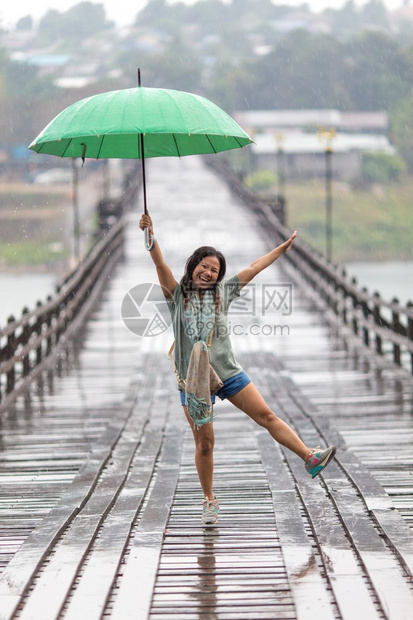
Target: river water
x=390, y=279
x=23, y=289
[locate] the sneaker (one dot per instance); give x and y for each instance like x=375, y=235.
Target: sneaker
x=210, y=510
x=318, y=459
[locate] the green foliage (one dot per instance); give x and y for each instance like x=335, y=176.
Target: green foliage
x=30, y=253
x=76, y=24
x=367, y=72
x=375, y=14
x=375, y=74
x=402, y=129
x=23, y=97
x=366, y=225
x=382, y=168
x=302, y=71
x=346, y=18
x=261, y=180
x=169, y=67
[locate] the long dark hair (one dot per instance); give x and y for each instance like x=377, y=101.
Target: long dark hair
x=187, y=285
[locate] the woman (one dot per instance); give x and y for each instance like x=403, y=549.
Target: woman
x=204, y=360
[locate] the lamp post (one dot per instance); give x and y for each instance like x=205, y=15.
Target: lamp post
x=250, y=163
x=328, y=136
x=279, y=139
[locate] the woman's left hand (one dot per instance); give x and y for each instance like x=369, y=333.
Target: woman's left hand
x=288, y=244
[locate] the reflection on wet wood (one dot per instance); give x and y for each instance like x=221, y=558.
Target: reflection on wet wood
x=235, y=569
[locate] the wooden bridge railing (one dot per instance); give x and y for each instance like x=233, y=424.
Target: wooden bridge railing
x=385, y=328
x=25, y=343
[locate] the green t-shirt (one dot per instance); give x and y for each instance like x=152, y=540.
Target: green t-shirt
x=221, y=355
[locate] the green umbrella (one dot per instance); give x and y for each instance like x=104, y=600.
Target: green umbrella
x=140, y=122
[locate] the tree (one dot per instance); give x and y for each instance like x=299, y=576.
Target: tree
x=382, y=168
x=375, y=72
x=374, y=13
x=401, y=126
x=25, y=23
x=303, y=71
x=172, y=67
x=231, y=86
x=75, y=25
x=346, y=19
x=25, y=102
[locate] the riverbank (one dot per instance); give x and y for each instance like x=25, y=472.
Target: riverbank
x=370, y=225
x=38, y=221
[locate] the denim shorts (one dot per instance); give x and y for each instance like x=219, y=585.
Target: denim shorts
x=231, y=386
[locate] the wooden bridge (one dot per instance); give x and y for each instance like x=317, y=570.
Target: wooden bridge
x=99, y=498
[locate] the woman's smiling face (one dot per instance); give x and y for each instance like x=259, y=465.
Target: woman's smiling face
x=206, y=272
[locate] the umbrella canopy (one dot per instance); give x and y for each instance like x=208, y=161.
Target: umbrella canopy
x=137, y=123
x=109, y=125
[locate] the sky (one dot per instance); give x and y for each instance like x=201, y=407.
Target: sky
x=123, y=12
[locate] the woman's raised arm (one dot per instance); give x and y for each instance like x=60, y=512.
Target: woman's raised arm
x=247, y=274
x=165, y=275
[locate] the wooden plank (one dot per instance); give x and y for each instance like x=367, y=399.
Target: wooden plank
x=235, y=569
x=397, y=532
x=399, y=536
x=69, y=554
x=304, y=577
x=340, y=562
x=392, y=588
x=28, y=433
x=90, y=595
x=24, y=565
x=390, y=584
x=134, y=595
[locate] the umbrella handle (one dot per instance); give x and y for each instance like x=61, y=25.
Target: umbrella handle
x=149, y=241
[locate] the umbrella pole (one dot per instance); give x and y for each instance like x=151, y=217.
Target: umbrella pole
x=149, y=243
x=145, y=208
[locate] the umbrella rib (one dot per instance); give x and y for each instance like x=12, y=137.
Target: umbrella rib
x=68, y=144
x=100, y=146
x=176, y=145
x=212, y=146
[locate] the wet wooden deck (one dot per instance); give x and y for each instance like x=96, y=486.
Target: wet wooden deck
x=99, y=498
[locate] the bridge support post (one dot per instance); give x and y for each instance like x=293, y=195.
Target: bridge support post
x=410, y=331
x=396, y=327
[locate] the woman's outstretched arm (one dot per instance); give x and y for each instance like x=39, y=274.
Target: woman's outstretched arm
x=165, y=275
x=246, y=275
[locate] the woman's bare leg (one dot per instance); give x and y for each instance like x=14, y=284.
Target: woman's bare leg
x=204, y=454
x=253, y=404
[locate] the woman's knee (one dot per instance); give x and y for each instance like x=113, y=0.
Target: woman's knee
x=266, y=418
x=205, y=445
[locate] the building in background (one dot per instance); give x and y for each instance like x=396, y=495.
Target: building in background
x=296, y=132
